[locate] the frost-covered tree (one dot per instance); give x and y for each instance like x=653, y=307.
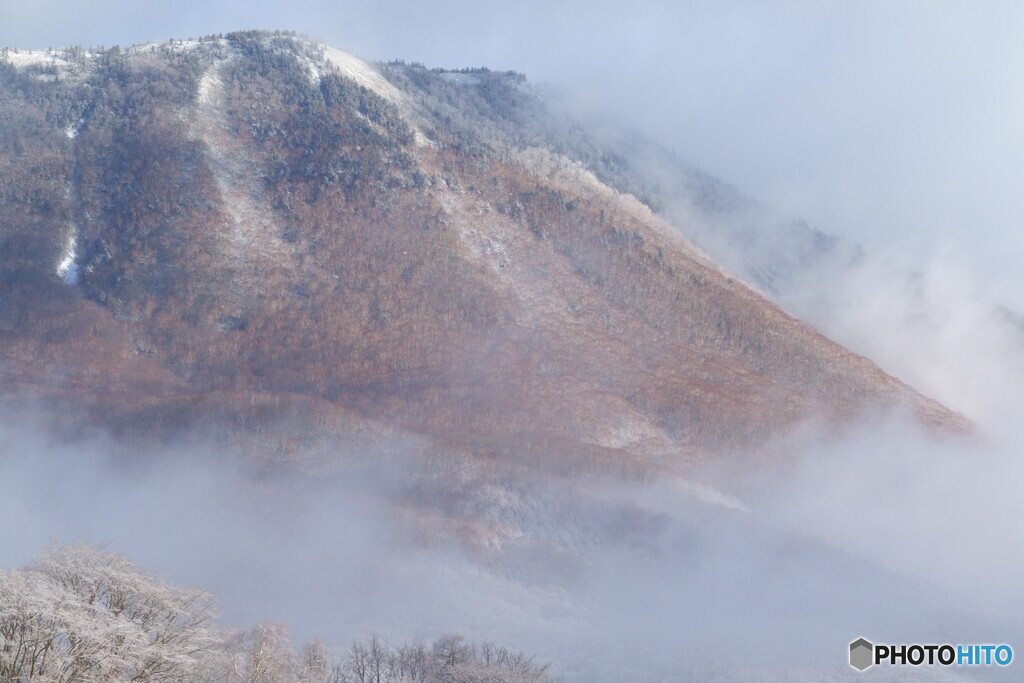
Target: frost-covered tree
x=81, y=613
x=264, y=654
x=315, y=662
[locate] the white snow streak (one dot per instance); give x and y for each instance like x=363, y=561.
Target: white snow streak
x=253, y=235
x=314, y=71
x=67, y=268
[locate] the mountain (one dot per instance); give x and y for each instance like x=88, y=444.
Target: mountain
x=281, y=247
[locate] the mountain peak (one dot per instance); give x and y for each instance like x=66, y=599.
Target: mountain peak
x=297, y=237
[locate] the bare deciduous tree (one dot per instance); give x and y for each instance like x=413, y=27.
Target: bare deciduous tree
x=450, y=659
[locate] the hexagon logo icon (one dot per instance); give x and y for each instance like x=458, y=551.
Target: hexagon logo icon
x=862, y=654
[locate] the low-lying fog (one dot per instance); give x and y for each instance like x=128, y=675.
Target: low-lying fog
x=885, y=532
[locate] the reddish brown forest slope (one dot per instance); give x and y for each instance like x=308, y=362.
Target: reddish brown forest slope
x=262, y=239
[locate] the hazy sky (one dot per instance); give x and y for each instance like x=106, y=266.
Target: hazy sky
x=896, y=122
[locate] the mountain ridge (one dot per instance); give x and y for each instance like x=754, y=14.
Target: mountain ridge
x=265, y=220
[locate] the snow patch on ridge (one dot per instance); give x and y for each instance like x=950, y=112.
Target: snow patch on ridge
x=364, y=74
x=562, y=170
x=173, y=45
x=50, y=65
x=368, y=77
x=24, y=58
